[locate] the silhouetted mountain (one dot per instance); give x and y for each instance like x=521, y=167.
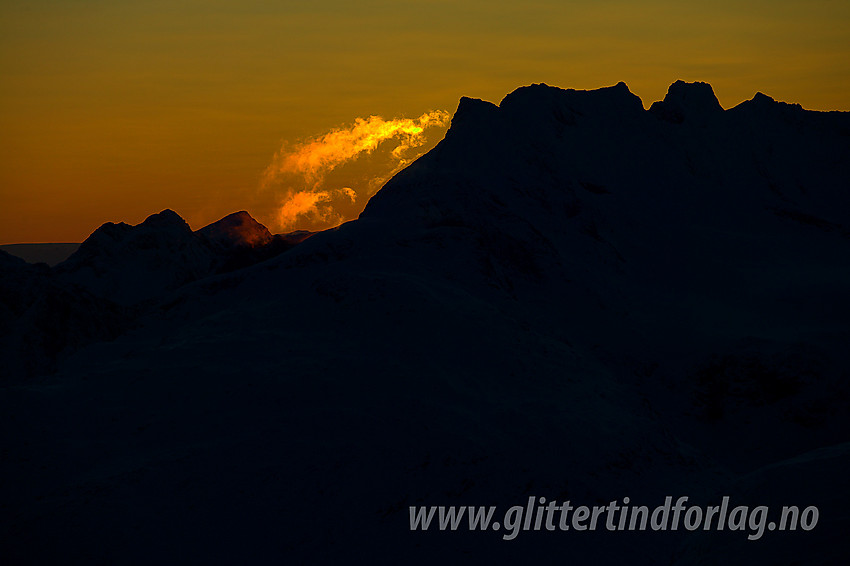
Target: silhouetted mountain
x=119, y=274
x=569, y=297
x=130, y=264
x=240, y=241
x=694, y=102
x=236, y=230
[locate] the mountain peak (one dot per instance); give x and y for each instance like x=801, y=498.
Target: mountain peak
x=167, y=219
x=536, y=104
x=694, y=102
x=762, y=98
x=696, y=95
x=237, y=229
x=472, y=111
x=761, y=103
x=617, y=98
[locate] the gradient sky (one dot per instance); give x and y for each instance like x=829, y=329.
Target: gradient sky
x=111, y=111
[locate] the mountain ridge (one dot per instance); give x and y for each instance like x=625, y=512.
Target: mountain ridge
x=570, y=296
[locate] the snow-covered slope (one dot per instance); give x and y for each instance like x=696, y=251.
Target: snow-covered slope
x=569, y=297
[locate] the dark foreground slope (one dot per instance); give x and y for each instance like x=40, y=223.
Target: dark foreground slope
x=569, y=297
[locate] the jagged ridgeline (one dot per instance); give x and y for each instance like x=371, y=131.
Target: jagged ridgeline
x=570, y=296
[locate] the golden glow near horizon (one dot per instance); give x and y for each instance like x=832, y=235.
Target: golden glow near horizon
x=111, y=111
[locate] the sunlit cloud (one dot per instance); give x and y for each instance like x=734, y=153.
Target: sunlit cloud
x=298, y=173
x=313, y=203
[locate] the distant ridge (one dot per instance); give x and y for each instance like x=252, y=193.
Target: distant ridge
x=49, y=253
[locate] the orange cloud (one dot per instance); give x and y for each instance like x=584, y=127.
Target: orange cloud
x=299, y=171
x=316, y=157
x=315, y=204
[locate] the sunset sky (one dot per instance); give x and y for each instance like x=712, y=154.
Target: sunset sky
x=111, y=111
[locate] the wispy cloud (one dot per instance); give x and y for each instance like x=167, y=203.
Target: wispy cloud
x=298, y=172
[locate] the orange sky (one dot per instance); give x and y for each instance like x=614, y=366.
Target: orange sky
x=111, y=111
